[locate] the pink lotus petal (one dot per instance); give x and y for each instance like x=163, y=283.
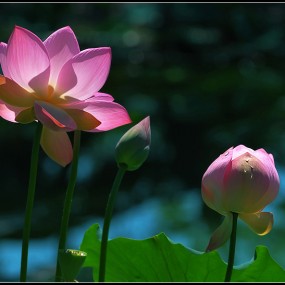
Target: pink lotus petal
x=221, y=234
x=263, y=153
x=3, y=60
x=85, y=73
x=26, y=116
x=102, y=97
x=251, y=183
x=260, y=222
x=27, y=60
x=84, y=121
x=53, y=117
x=268, y=161
x=13, y=94
x=57, y=146
x=272, y=158
x=246, y=182
x=212, y=181
x=110, y=114
x=9, y=112
x=72, y=103
x=61, y=46
x=240, y=150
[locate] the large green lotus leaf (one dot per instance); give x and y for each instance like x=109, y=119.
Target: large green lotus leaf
x=262, y=269
x=155, y=259
x=158, y=259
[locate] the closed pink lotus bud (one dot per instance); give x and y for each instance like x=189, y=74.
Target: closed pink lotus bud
x=242, y=181
x=133, y=148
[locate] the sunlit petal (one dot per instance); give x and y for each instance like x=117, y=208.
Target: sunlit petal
x=13, y=94
x=3, y=60
x=110, y=114
x=260, y=222
x=9, y=112
x=247, y=181
x=53, y=117
x=102, y=96
x=85, y=73
x=62, y=45
x=212, y=181
x=27, y=60
x=57, y=146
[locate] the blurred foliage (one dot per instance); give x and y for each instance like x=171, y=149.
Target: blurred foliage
x=210, y=76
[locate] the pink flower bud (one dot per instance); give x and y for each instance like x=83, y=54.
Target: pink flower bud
x=133, y=147
x=243, y=181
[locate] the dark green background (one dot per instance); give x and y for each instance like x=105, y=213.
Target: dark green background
x=210, y=76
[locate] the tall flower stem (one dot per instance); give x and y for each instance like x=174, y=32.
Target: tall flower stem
x=68, y=202
x=231, y=258
x=30, y=202
x=107, y=221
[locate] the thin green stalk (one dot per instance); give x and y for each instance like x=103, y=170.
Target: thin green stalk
x=30, y=202
x=68, y=202
x=107, y=221
x=231, y=258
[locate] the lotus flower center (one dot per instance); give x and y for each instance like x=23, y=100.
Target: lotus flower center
x=48, y=96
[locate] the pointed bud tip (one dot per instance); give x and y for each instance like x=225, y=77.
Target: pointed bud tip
x=133, y=147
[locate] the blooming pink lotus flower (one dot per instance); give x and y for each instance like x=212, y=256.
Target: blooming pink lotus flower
x=57, y=84
x=243, y=181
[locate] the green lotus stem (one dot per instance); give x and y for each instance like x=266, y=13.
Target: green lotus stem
x=231, y=258
x=68, y=202
x=30, y=202
x=107, y=221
